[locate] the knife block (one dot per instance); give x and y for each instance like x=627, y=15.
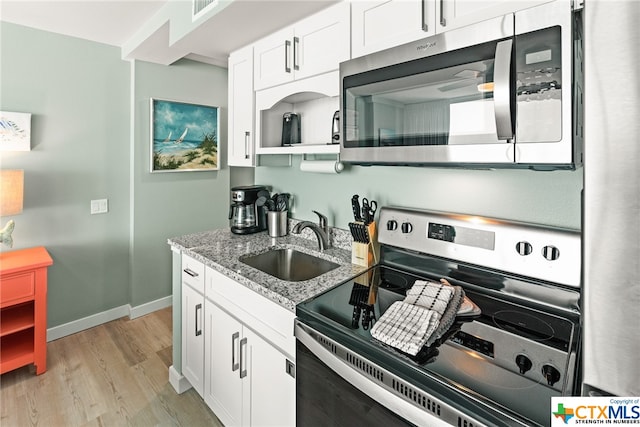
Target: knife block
x=365, y=254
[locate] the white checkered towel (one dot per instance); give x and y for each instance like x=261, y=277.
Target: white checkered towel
x=431, y=295
x=406, y=326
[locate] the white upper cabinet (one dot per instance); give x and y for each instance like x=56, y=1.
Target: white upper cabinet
x=382, y=24
x=241, y=108
x=312, y=46
x=452, y=14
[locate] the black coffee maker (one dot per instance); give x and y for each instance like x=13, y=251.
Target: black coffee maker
x=247, y=213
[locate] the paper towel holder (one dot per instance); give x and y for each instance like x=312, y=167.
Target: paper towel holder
x=321, y=166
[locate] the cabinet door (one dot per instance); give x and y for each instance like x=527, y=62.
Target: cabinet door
x=452, y=14
x=381, y=24
x=268, y=388
x=273, y=59
x=193, y=338
x=321, y=41
x=223, y=391
x=241, y=139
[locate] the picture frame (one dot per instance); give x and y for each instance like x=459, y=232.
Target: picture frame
x=15, y=131
x=184, y=137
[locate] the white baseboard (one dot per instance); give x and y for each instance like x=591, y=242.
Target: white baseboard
x=107, y=316
x=150, y=307
x=179, y=382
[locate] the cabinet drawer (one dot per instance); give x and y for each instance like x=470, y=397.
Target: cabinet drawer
x=267, y=318
x=16, y=287
x=193, y=273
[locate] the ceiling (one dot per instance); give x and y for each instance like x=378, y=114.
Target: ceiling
x=142, y=28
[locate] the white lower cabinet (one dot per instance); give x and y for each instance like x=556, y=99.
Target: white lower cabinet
x=237, y=349
x=247, y=383
x=192, y=323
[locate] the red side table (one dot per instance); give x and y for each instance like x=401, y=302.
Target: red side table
x=23, y=309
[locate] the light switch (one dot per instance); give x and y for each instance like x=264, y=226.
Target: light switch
x=99, y=206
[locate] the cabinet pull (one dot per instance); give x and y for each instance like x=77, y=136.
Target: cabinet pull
x=443, y=21
x=234, y=364
x=198, y=319
x=247, y=136
x=425, y=26
x=190, y=272
x=243, y=361
x=296, y=47
x=287, y=48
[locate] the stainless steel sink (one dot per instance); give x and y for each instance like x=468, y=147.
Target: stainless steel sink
x=289, y=264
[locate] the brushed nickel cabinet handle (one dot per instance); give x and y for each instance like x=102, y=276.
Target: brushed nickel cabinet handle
x=247, y=137
x=287, y=48
x=443, y=20
x=296, y=48
x=234, y=364
x=425, y=26
x=243, y=361
x=198, y=319
x=190, y=272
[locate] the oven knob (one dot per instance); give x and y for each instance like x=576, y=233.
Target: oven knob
x=551, y=253
x=551, y=374
x=392, y=225
x=524, y=248
x=406, y=227
x=524, y=363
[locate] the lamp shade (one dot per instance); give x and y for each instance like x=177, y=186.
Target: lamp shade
x=11, y=191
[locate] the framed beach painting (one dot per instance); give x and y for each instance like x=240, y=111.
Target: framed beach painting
x=184, y=137
x=15, y=131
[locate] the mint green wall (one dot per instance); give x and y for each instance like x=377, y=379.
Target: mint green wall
x=78, y=93
x=171, y=204
x=90, y=140
x=550, y=198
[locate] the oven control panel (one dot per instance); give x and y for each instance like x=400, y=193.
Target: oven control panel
x=520, y=356
x=532, y=250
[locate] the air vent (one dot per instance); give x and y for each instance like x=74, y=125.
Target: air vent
x=201, y=6
x=365, y=367
x=414, y=394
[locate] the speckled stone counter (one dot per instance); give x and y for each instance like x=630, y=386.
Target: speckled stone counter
x=221, y=250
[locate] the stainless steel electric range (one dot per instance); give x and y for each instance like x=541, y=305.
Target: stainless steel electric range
x=501, y=368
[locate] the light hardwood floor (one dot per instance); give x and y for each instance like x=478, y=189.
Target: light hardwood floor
x=115, y=374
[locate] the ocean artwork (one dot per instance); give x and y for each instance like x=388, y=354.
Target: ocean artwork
x=15, y=131
x=184, y=137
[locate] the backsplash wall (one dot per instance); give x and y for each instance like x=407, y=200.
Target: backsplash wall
x=549, y=198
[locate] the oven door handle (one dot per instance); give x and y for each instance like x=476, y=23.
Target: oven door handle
x=502, y=90
x=394, y=403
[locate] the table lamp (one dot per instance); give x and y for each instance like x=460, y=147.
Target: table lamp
x=11, y=196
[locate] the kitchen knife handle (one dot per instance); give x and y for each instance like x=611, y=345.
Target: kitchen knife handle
x=287, y=49
x=355, y=205
x=234, y=364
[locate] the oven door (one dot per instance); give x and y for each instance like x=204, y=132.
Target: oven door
x=336, y=386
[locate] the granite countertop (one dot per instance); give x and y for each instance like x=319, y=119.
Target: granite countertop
x=220, y=249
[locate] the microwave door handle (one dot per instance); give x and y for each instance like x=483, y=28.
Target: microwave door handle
x=502, y=90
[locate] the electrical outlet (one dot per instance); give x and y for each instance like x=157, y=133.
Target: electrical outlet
x=99, y=206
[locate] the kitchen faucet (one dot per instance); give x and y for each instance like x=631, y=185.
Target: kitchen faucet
x=321, y=230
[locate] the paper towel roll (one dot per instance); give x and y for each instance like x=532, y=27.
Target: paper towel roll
x=321, y=166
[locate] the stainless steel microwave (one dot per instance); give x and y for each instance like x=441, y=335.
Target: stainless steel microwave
x=506, y=92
